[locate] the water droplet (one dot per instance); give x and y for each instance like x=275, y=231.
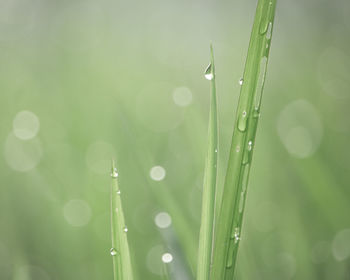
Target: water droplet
x=241, y=202
x=242, y=121
x=118, y=192
x=236, y=235
x=113, y=252
x=250, y=145
x=256, y=113
x=238, y=149
x=261, y=82
x=266, y=20
x=114, y=173
x=208, y=74
x=125, y=229
x=241, y=81
x=216, y=150
x=269, y=30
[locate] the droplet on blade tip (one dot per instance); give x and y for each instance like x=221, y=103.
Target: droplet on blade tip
x=208, y=74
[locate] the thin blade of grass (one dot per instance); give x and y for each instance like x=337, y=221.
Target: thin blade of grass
x=209, y=184
x=120, y=248
x=229, y=220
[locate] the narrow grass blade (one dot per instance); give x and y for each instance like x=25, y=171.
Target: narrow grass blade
x=209, y=185
x=120, y=247
x=229, y=220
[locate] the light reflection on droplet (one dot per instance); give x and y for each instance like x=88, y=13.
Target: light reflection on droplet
x=157, y=173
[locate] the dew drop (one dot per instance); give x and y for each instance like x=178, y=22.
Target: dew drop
x=125, y=229
x=250, y=145
x=114, y=173
x=242, y=121
x=237, y=237
x=260, y=83
x=216, y=150
x=118, y=192
x=113, y=252
x=266, y=20
x=241, y=81
x=241, y=202
x=208, y=74
x=238, y=149
x=269, y=30
x=256, y=113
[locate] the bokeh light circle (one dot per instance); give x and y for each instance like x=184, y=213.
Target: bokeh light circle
x=167, y=258
x=22, y=155
x=26, y=125
x=162, y=220
x=300, y=128
x=77, y=212
x=157, y=173
x=341, y=245
x=182, y=96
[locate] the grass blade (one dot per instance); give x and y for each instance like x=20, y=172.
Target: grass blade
x=229, y=220
x=209, y=185
x=120, y=247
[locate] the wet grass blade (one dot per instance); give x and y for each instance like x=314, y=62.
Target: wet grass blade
x=209, y=184
x=229, y=219
x=120, y=248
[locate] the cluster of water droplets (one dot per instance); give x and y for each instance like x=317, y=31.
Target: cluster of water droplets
x=114, y=173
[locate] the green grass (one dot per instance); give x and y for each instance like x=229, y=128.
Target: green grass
x=209, y=185
x=120, y=252
x=220, y=233
x=228, y=225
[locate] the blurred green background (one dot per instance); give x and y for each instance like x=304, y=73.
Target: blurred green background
x=84, y=81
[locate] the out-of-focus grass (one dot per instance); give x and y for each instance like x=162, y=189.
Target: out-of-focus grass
x=88, y=70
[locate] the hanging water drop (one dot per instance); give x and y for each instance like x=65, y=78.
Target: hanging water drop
x=241, y=81
x=118, y=192
x=216, y=150
x=113, y=252
x=114, y=173
x=208, y=74
x=238, y=149
x=125, y=229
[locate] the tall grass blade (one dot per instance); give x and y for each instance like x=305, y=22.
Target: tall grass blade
x=229, y=220
x=209, y=185
x=120, y=248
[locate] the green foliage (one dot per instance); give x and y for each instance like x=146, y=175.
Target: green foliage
x=229, y=219
x=209, y=185
x=120, y=253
